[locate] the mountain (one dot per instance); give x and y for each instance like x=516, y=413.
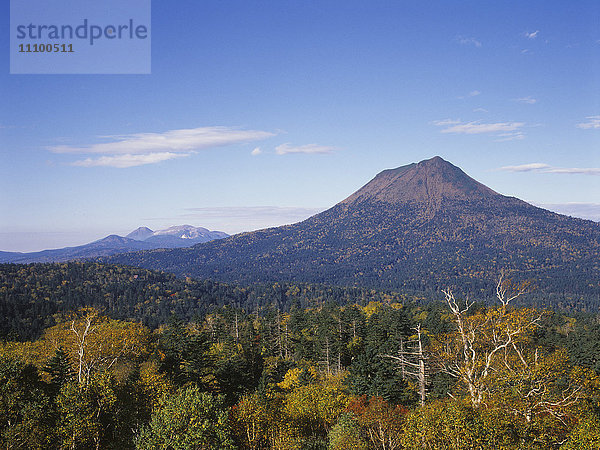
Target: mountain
x=142, y=238
x=183, y=236
x=176, y=237
x=107, y=246
x=140, y=234
x=422, y=227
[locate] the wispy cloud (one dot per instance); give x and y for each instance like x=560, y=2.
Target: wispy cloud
x=480, y=110
x=474, y=93
x=593, y=122
x=527, y=100
x=575, y=170
x=526, y=167
x=468, y=41
x=125, y=161
x=444, y=122
x=546, y=168
x=285, y=149
x=173, y=140
x=531, y=34
x=257, y=151
x=590, y=211
x=515, y=136
x=131, y=150
x=460, y=127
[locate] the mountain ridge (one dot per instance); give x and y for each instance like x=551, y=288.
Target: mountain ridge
x=141, y=238
x=423, y=226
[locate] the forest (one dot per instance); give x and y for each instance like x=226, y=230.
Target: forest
x=110, y=357
x=407, y=247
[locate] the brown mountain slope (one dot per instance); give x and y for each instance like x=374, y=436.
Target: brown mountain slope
x=422, y=226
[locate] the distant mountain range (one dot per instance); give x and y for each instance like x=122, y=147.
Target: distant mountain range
x=142, y=238
x=423, y=226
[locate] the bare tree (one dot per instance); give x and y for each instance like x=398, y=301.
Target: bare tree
x=485, y=339
x=412, y=362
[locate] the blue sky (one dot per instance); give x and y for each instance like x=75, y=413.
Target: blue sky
x=262, y=113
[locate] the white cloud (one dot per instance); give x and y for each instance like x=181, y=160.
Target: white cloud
x=525, y=167
x=257, y=151
x=459, y=127
x=444, y=122
x=124, y=161
x=593, y=122
x=528, y=100
x=174, y=140
x=531, y=35
x=285, y=149
x=480, y=110
x=546, y=168
x=575, y=170
x=149, y=148
x=474, y=93
x=468, y=41
x=516, y=136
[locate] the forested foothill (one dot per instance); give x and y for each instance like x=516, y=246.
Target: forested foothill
x=113, y=357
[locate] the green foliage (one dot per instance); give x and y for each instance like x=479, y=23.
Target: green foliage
x=187, y=419
x=284, y=377
x=35, y=296
x=373, y=375
x=586, y=435
x=26, y=418
x=59, y=369
x=447, y=425
x=88, y=413
x=346, y=434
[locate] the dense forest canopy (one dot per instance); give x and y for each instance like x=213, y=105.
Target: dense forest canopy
x=99, y=356
x=33, y=296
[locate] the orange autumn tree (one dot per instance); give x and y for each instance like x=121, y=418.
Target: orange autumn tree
x=380, y=421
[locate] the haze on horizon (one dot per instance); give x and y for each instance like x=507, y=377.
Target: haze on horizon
x=296, y=106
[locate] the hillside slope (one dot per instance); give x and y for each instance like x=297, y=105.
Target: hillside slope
x=422, y=226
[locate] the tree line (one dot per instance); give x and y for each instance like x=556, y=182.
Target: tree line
x=379, y=374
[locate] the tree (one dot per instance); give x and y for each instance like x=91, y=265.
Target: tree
x=187, y=419
x=26, y=414
x=347, y=434
x=412, y=363
x=586, y=435
x=371, y=375
x=448, y=425
x=485, y=339
x=254, y=419
x=95, y=342
x=88, y=413
x=59, y=369
x=379, y=421
x=314, y=408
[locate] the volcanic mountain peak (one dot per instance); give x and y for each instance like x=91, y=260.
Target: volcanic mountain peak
x=141, y=233
x=429, y=181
